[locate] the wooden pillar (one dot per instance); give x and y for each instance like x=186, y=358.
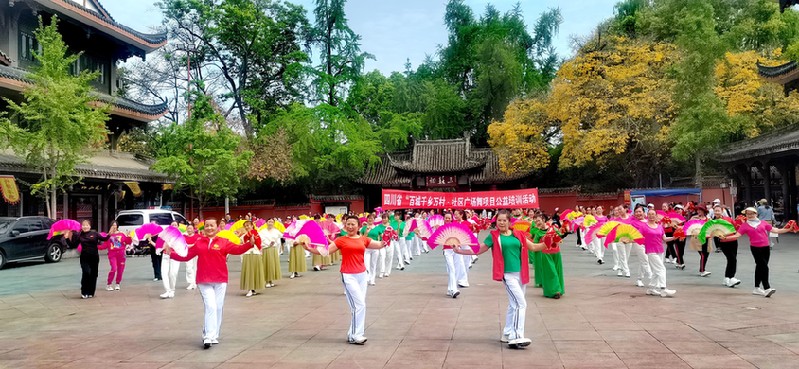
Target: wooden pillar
x=747, y=182
x=787, y=204
x=765, y=171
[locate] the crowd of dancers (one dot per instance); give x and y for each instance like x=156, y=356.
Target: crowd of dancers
x=368, y=247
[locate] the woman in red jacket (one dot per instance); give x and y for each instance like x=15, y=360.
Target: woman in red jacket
x=510, y=267
x=212, y=275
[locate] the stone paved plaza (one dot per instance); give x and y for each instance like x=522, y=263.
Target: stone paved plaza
x=603, y=321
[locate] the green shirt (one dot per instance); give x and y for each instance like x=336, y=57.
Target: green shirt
x=511, y=252
x=537, y=233
x=376, y=233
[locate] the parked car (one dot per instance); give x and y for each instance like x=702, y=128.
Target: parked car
x=25, y=238
x=129, y=220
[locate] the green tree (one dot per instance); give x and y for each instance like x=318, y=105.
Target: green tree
x=255, y=45
x=57, y=122
x=340, y=52
x=203, y=156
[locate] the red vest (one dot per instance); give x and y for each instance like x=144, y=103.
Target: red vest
x=499, y=260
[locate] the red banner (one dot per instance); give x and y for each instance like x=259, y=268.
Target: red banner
x=397, y=199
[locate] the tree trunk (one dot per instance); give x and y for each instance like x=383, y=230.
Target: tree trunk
x=698, y=168
x=53, y=192
x=47, y=198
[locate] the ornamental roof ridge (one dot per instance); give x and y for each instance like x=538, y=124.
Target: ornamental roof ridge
x=778, y=140
x=154, y=40
x=117, y=101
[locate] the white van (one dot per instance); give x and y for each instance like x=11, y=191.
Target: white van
x=129, y=220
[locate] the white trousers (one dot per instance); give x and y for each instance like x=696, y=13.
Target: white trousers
x=402, y=250
x=517, y=306
x=370, y=258
x=644, y=272
x=288, y=245
x=623, y=253
x=615, y=250
x=599, y=248
x=452, y=272
x=381, y=260
x=213, y=295
x=462, y=263
x=191, y=271
x=169, y=273
x=355, y=291
x=406, y=250
x=658, y=279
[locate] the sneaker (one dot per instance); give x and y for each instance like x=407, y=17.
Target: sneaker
x=214, y=342
x=292, y=275
x=381, y=275
x=463, y=285
x=90, y=296
x=372, y=283
x=504, y=339
x=166, y=295
x=615, y=268
x=403, y=268
x=456, y=294
x=653, y=292
x=620, y=273
x=84, y=296
x=357, y=340
x=520, y=342
x=117, y=287
x=600, y=261
x=316, y=268
x=759, y=291
x=156, y=279
x=206, y=344
x=109, y=288
x=192, y=287
x=734, y=282
x=249, y=294
x=769, y=292
x=726, y=282
x=268, y=285
x=639, y=283
x=704, y=274
x=556, y=296
x=627, y=274
x=667, y=293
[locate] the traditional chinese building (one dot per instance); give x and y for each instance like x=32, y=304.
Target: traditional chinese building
x=112, y=180
x=439, y=165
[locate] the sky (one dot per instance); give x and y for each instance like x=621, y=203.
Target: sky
x=396, y=30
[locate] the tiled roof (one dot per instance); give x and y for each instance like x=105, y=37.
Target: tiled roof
x=4, y=59
x=155, y=39
x=439, y=156
x=103, y=165
x=777, y=142
x=398, y=168
x=776, y=71
x=122, y=103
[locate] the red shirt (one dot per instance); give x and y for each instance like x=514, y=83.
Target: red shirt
x=211, y=256
x=352, y=251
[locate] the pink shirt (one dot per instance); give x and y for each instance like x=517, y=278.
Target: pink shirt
x=758, y=237
x=653, y=237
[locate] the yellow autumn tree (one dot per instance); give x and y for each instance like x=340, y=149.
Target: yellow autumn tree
x=520, y=140
x=609, y=103
x=753, y=103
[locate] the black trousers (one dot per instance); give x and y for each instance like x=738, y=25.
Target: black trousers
x=679, y=246
x=89, y=264
x=579, y=239
x=703, y=255
x=761, y=255
x=730, y=250
x=671, y=249
x=156, y=260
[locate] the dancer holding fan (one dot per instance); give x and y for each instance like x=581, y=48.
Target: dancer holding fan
x=252, y=267
x=270, y=237
x=548, y=262
x=88, y=240
x=653, y=237
x=372, y=256
x=116, y=244
x=211, y=252
x=758, y=232
x=353, y=272
x=510, y=267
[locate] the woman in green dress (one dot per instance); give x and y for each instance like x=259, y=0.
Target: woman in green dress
x=270, y=240
x=297, y=263
x=548, y=262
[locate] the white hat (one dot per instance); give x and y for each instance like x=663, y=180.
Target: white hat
x=651, y=205
x=749, y=209
x=678, y=206
x=717, y=201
